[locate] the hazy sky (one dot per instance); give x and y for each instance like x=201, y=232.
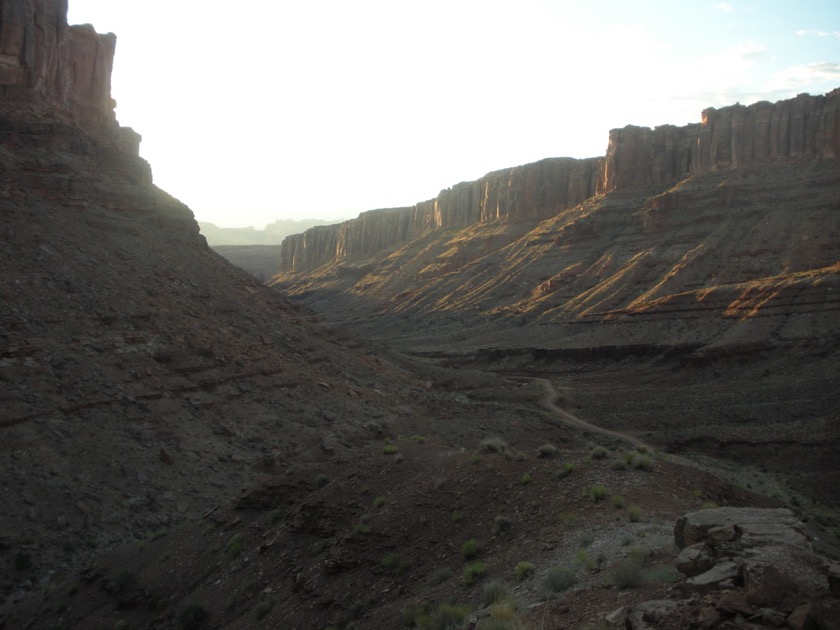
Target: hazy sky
x=258, y=110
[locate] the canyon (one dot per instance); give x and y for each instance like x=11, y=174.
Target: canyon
x=382, y=438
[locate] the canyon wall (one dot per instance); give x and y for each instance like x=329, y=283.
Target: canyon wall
x=66, y=67
x=532, y=192
x=803, y=128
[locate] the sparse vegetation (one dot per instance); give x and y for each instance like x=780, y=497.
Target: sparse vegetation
x=597, y=493
x=473, y=571
x=557, y=580
x=501, y=524
x=547, y=450
x=470, y=549
x=444, y=617
x=378, y=502
x=565, y=470
x=394, y=563
x=634, y=513
x=496, y=591
x=390, y=449
x=440, y=576
x=492, y=445
x=524, y=570
x=599, y=452
x=617, y=500
x=525, y=479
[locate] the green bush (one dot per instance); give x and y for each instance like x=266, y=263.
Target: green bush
x=473, y=572
x=525, y=479
x=597, y=493
x=378, y=502
x=470, y=549
x=558, y=580
x=567, y=469
x=390, y=449
x=599, y=452
x=634, y=513
x=444, y=617
x=524, y=570
x=496, y=591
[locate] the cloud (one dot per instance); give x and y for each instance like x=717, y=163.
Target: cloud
x=724, y=6
x=815, y=33
x=823, y=74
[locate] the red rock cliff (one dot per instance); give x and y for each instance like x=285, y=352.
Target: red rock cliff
x=530, y=192
x=803, y=128
x=66, y=67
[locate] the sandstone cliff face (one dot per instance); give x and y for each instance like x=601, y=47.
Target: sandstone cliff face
x=532, y=192
x=804, y=128
x=66, y=67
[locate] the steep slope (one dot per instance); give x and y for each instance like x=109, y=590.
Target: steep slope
x=143, y=379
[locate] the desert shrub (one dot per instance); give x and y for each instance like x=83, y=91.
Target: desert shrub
x=492, y=445
x=501, y=524
x=457, y=516
x=599, y=452
x=470, y=549
x=193, y=617
x=597, y=493
x=418, y=438
x=378, y=502
x=362, y=528
x=547, y=450
x=234, y=545
x=666, y=575
x=121, y=624
x=643, y=462
x=413, y=612
x=263, y=608
x=394, y=563
x=584, y=559
x=444, y=617
x=619, y=464
x=390, y=449
x=634, y=513
x=566, y=517
x=586, y=538
x=628, y=574
x=473, y=572
x=565, y=470
x=524, y=570
x=495, y=591
x=558, y=580
x=515, y=454
x=321, y=480
x=709, y=505
x=440, y=576
x=617, y=500
x=525, y=479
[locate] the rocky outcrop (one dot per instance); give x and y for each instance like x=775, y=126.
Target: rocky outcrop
x=756, y=565
x=803, y=128
x=66, y=67
x=531, y=192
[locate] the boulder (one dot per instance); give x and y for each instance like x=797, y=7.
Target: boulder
x=722, y=574
x=694, y=560
x=755, y=526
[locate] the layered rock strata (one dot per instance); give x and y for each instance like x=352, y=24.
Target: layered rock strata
x=803, y=128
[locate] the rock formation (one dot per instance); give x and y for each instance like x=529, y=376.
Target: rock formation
x=66, y=67
x=530, y=193
x=743, y=566
x=804, y=128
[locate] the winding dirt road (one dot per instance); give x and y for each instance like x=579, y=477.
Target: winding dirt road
x=548, y=401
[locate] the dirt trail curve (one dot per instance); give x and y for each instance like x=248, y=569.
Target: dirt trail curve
x=548, y=401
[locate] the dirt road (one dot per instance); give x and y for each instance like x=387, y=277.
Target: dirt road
x=548, y=401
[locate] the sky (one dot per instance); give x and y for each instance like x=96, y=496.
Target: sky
x=259, y=110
